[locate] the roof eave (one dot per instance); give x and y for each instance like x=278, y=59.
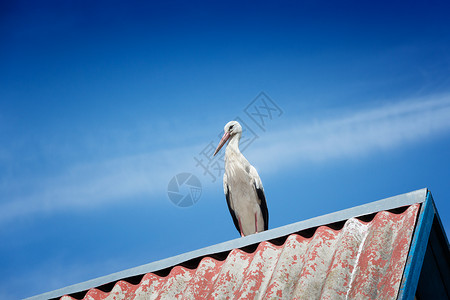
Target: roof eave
x=427, y=216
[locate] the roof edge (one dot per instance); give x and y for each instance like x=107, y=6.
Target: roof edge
x=417, y=250
x=418, y=196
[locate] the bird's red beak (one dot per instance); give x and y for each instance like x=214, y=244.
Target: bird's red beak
x=224, y=139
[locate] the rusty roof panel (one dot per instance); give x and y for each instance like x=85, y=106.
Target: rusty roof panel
x=362, y=260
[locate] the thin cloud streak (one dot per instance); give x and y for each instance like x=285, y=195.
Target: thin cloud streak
x=357, y=133
x=90, y=185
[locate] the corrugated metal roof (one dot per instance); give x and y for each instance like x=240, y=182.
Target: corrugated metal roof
x=363, y=259
x=372, y=251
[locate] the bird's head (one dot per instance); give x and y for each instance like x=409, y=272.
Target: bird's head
x=231, y=129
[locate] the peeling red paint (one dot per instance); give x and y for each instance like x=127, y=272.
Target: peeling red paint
x=363, y=260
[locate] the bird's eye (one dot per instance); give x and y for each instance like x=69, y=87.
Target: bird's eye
x=231, y=127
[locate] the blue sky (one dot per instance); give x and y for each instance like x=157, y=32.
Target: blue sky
x=102, y=104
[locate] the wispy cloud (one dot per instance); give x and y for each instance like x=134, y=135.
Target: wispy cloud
x=92, y=184
x=59, y=272
x=355, y=133
x=351, y=133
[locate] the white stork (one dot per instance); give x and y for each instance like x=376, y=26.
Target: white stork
x=242, y=186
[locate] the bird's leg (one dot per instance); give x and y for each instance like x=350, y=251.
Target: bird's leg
x=240, y=226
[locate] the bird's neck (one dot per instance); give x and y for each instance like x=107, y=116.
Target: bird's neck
x=233, y=144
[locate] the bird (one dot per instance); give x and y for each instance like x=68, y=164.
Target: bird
x=242, y=185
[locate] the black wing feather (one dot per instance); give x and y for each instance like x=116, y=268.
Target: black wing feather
x=263, y=206
x=233, y=215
